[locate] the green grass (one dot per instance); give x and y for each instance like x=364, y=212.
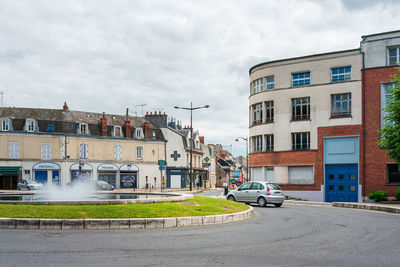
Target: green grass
x=198, y=206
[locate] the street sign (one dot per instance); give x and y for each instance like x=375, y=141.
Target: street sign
x=162, y=162
x=161, y=168
x=206, y=159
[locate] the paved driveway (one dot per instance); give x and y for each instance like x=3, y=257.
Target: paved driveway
x=287, y=236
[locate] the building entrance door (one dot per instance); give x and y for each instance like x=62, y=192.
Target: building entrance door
x=41, y=176
x=341, y=183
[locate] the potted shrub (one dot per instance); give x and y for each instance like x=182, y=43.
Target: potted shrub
x=378, y=195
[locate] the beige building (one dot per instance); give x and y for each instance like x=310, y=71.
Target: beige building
x=61, y=146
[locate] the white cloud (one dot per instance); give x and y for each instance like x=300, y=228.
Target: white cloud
x=110, y=55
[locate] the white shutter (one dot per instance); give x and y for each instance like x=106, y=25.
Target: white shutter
x=49, y=151
x=11, y=150
x=43, y=152
x=270, y=175
x=301, y=175
x=86, y=151
x=258, y=174
x=120, y=153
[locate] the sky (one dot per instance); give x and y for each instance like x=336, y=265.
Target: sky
x=106, y=56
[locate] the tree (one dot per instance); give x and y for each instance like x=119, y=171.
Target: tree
x=389, y=135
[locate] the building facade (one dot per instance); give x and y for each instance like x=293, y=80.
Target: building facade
x=381, y=52
x=306, y=125
x=59, y=147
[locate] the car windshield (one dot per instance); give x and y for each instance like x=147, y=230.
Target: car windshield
x=273, y=187
x=32, y=182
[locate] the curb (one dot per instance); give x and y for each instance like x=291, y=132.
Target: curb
x=114, y=224
x=373, y=207
x=307, y=203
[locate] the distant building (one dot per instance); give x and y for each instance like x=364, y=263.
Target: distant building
x=61, y=146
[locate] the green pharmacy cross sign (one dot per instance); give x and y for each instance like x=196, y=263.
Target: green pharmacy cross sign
x=162, y=162
x=206, y=159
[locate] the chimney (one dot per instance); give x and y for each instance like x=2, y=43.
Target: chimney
x=103, y=125
x=158, y=119
x=201, y=139
x=147, y=128
x=223, y=156
x=65, y=107
x=128, y=130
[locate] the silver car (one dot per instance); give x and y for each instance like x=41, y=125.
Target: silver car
x=257, y=192
x=29, y=185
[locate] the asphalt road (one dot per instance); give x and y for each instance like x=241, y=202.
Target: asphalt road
x=286, y=236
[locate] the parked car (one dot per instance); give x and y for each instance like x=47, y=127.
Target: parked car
x=262, y=193
x=29, y=185
x=102, y=185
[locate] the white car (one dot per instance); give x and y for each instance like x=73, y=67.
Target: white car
x=262, y=193
x=29, y=185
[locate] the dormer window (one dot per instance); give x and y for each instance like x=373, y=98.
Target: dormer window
x=83, y=128
x=5, y=124
x=153, y=134
x=139, y=133
x=117, y=131
x=30, y=125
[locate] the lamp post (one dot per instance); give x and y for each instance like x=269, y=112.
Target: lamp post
x=247, y=155
x=191, y=137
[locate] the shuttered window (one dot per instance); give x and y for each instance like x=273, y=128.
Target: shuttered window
x=83, y=151
x=46, y=151
x=14, y=150
x=117, y=152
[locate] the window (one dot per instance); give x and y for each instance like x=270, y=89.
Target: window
x=341, y=105
x=341, y=74
x=257, y=143
x=153, y=136
x=257, y=186
x=117, y=152
x=30, y=125
x=385, y=95
x=83, y=128
x=269, y=82
x=13, y=150
x=139, y=152
x=300, y=79
x=269, y=111
x=83, y=151
x=5, y=125
x=245, y=186
x=269, y=174
x=301, y=175
x=117, y=131
x=394, y=56
x=269, y=142
x=50, y=127
x=139, y=133
x=300, y=141
x=393, y=173
x=301, y=109
x=257, y=113
x=46, y=151
x=258, y=85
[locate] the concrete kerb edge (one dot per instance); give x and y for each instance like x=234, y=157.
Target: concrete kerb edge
x=113, y=224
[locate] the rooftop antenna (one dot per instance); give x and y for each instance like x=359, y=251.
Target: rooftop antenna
x=141, y=105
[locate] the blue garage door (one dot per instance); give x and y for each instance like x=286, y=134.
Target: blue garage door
x=41, y=176
x=341, y=183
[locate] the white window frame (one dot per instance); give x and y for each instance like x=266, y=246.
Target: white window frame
x=384, y=94
x=258, y=85
x=139, y=133
x=83, y=151
x=120, y=131
x=13, y=150
x=343, y=74
x=304, y=141
x=269, y=143
x=86, y=128
x=30, y=125
x=301, y=81
x=118, y=152
x=46, y=151
x=5, y=125
x=257, y=113
x=258, y=143
x=139, y=152
x=269, y=111
x=270, y=83
x=340, y=99
x=397, y=56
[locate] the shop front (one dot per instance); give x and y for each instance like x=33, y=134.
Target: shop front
x=108, y=173
x=47, y=172
x=9, y=177
x=176, y=177
x=129, y=176
x=81, y=172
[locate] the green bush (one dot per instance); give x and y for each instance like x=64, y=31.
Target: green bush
x=378, y=196
x=397, y=194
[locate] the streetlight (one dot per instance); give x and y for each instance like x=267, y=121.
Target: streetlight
x=247, y=155
x=191, y=137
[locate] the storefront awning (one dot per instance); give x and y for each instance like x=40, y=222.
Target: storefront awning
x=10, y=170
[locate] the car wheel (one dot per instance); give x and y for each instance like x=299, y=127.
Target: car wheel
x=278, y=205
x=231, y=198
x=261, y=202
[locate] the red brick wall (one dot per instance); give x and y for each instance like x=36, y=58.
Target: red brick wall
x=312, y=157
x=375, y=158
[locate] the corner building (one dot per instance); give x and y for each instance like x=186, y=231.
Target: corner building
x=306, y=125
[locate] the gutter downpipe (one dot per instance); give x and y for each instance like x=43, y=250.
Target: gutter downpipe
x=363, y=117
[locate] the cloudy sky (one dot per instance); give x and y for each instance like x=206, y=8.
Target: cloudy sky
x=112, y=55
